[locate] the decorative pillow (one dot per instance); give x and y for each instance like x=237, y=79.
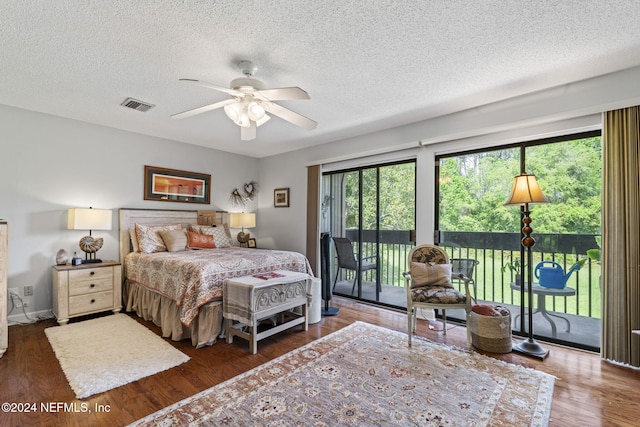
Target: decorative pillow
x=202, y=229
x=228, y=231
x=134, y=239
x=211, y=229
x=200, y=241
x=221, y=233
x=174, y=240
x=430, y=275
x=149, y=239
x=222, y=238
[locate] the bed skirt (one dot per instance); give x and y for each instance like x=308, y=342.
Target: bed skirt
x=163, y=312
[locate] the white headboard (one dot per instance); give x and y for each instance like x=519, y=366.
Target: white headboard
x=130, y=217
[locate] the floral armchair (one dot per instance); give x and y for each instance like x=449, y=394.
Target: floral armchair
x=428, y=285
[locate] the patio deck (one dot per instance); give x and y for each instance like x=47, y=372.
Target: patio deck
x=585, y=331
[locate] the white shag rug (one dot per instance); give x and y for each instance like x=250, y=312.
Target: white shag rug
x=104, y=353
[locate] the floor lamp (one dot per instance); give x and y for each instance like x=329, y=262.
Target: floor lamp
x=525, y=191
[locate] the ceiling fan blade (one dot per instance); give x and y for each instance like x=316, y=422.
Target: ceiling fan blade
x=248, y=133
x=290, y=116
x=203, y=109
x=214, y=87
x=281, y=94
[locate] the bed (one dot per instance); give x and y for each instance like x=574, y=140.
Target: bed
x=181, y=291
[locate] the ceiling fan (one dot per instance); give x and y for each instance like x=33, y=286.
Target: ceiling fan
x=251, y=102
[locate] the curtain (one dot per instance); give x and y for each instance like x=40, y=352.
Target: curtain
x=620, y=258
x=313, y=209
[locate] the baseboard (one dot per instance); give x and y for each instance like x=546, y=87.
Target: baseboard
x=29, y=317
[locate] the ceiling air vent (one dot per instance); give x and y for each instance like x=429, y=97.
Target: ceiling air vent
x=135, y=104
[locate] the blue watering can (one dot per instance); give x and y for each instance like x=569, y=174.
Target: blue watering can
x=554, y=276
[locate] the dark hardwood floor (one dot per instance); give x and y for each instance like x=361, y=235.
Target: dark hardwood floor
x=588, y=391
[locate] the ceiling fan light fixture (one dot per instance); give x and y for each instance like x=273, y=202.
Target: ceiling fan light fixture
x=233, y=111
x=244, y=120
x=252, y=103
x=255, y=111
x=263, y=120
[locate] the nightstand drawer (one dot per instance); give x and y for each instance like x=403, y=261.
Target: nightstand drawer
x=90, y=274
x=90, y=302
x=90, y=286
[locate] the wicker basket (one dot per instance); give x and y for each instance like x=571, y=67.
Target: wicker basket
x=491, y=333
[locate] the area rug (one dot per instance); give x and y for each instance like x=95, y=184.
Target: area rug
x=100, y=354
x=365, y=375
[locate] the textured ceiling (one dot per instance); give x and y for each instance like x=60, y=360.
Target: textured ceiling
x=367, y=65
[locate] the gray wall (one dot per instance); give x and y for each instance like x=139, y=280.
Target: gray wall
x=49, y=164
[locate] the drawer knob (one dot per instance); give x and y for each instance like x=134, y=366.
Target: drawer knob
x=92, y=273
x=93, y=285
x=92, y=301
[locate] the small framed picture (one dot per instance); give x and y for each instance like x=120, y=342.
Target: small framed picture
x=251, y=243
x=281, y=197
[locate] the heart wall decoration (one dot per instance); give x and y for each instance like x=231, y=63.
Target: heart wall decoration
x=249, y=192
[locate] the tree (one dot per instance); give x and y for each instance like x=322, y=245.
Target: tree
x=397, y=197
x=474, y=187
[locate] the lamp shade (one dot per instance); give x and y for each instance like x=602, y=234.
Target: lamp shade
x=233, y=110
x=526, y=190
x=89, y=219
x=242, y=220
x=255, y=111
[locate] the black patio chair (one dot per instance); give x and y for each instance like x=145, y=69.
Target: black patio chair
x=465, y=266
x=348, y=260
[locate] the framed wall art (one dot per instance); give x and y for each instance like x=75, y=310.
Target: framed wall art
x=171, y=185
x=281, y=197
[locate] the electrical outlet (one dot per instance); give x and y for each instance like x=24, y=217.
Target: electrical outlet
x=28, y=291
x=17, y=301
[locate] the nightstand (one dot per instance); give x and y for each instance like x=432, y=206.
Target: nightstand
x=86, y=289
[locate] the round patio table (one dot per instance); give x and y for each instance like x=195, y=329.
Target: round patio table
x=542, y=293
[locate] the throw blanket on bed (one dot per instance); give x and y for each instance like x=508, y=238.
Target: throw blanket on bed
x=194, y=278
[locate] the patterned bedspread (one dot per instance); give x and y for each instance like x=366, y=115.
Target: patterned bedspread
x=194, y=278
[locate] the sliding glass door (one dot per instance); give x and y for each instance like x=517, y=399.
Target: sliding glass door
x=474, y=224
x=372, y=209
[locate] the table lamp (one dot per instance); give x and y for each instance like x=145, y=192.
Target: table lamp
x=89, y=219
x=525, y=191
x=242, y=220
